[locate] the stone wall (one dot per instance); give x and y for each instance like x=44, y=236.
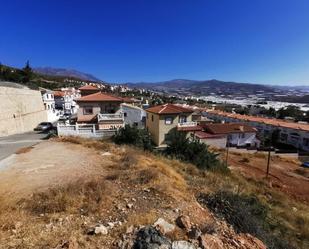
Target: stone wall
x=20, y=110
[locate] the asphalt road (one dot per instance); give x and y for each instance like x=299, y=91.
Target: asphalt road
x=10, y=144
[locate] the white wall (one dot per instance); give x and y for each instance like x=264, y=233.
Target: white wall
x=20, y=110
x=133, y=114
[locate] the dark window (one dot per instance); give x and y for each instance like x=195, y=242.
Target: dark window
x=306, y=142
x=168, y=120
x=124, y=114
x=87, y=110
x=182, y=119
x=152, y=118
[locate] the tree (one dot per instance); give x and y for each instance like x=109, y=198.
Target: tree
x=27, y=73
x=132, y=135
x=193, y=151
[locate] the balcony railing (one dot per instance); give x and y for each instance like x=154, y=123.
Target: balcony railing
x=110, y=117
x=187, y=124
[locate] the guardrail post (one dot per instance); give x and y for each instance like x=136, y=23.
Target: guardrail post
x=76, y=128
x=93, y=130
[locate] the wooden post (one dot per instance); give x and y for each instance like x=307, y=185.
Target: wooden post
x=227, y=154
x=268, y=163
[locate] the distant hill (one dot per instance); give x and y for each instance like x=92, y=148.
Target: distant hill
x=202, y=87
x=46, y=78
x=50, y=71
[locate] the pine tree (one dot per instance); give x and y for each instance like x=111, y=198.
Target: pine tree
x=27, y=73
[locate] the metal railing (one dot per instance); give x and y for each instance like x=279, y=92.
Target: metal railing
x=187, y=124
x=110, y=117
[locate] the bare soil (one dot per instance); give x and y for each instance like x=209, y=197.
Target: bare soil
x=285, y=173
x=46, y=165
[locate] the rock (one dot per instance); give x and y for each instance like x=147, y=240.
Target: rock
x=164, y=226
x=150, y=238
x=182, y=244
x=110, y=224
x=106, y=154
x=184, y=222
x=129, y=205
x=194, y=233
x=100, y=229
x=208, y=241
x=130, y=229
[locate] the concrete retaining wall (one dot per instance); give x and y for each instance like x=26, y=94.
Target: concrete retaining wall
x=20, y=110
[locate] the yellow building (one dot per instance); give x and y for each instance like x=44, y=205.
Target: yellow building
x=163, y=118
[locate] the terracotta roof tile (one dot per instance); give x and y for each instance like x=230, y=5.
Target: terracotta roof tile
x=99, y=97
x=228, y=128
x=86, y=118
x=205, y=135
x=268, y=121
x=190, y=128
x=59, y=93
x=168, y=109
x=88, y=87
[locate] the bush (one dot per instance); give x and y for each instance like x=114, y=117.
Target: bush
x=133, y=135
x=246, y=214
x=193, y=151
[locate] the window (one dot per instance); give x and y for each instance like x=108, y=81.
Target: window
x=124, y=114
x=87, y=110
x=152, y=118
x=168, y=120
x=306, y=142
x=182, y=119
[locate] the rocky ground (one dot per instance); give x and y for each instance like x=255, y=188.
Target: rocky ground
x=112, y=197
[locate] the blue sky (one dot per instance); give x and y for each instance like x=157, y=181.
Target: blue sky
x=258, y=41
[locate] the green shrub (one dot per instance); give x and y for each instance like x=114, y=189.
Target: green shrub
x=132, y=135
x=193, y=151
x=246, y=214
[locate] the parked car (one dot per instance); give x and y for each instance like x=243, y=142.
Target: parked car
x=44, y=126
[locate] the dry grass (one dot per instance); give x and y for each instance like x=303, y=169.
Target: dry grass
x=80, y=195
x=172, y=183
x=88, y=143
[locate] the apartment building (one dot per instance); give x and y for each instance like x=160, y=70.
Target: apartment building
x=290, y=133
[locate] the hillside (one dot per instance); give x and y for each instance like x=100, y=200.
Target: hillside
x=52, y=79
x=71, y=73
x=201, y=87
x=94, y=194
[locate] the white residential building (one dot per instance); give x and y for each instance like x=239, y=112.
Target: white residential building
x=133, y=115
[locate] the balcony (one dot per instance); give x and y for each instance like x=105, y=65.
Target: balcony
x=187, y=124
x=110, y=117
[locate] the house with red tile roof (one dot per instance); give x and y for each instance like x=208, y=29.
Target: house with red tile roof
x=290, y=133
x=233, y=134
x=161, y=119
x=88, y=89
x=101, y=109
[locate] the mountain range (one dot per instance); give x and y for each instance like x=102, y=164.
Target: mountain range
x=51, y=71
x=201, y=86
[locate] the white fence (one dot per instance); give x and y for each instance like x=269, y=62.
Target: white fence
x=105, y=117
x=85, y=130
x=187, y=124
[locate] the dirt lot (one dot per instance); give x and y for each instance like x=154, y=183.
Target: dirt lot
x=46, y=165
x=53, y=194
x=285, y=173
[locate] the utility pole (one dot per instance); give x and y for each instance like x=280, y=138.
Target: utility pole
x=227, y=153
x=268, y=161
